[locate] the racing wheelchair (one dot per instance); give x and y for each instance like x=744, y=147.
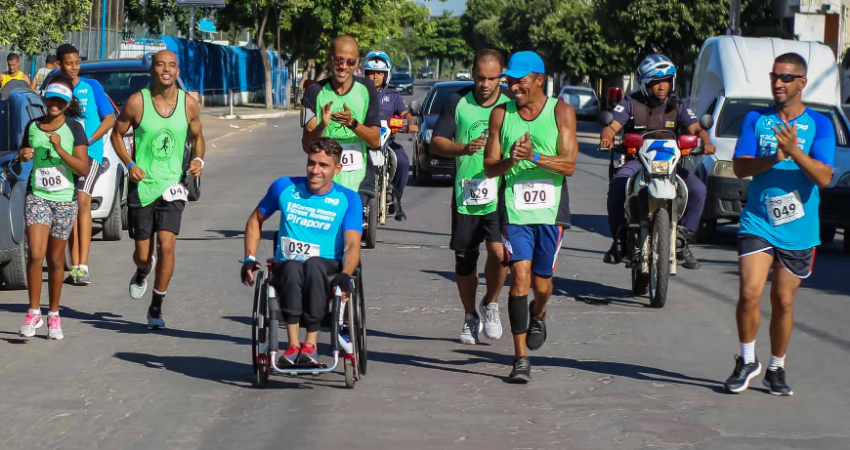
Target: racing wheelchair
x=265, y=327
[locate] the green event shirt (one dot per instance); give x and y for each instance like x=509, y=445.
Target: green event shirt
x=160, y=143
x=362, y=100
x=463, y=120
x=43, y=177
x=527, y=179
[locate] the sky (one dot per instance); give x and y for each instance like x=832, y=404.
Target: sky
x=437, y=7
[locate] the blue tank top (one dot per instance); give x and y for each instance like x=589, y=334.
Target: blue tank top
x=312, y=225
x=772, y=210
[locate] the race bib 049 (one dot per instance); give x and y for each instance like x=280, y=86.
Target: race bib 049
x=295, y=250
x=177, y=192
x=479, y=191
x=352, y=157
x=535, y=194
x=784, y=208
x=52, y=179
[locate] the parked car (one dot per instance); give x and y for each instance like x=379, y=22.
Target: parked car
x=426, y=165
x=730, y=80
x=426, y=72
x=583, y=100
x=402, y=82
x=463, y=75
x=18, y=105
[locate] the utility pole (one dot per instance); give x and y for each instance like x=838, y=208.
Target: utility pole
x=734, y=27
x=192, y=23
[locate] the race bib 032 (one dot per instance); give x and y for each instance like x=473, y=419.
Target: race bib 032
x=295, y=250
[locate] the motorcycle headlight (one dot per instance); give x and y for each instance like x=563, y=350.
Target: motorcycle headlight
x=660, y=167
x=428, y=134
x=723, y=169
x=844, y=182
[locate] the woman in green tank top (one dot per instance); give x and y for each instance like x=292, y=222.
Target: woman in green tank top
x=57, y=146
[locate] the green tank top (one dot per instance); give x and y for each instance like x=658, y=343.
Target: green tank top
x=475, y=194
x=354, y=151
x=532, y=195
x=51, y=179
x=160, y=142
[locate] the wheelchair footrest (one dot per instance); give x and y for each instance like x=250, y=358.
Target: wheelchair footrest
x=283, y=365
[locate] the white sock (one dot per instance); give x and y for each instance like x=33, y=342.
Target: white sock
x=748, y=352
x=37, y=312
x=52, y=314
x=776, y=363
x=84, y=267
x=75, y=267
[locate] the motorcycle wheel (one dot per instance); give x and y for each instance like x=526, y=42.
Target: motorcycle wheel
x=371, y=235
x=659, y=259
x=640, y=280
x=382, y=195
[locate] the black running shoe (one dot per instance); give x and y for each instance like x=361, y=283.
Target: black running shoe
x=613, y=255
x=522, y=371
x=775, y=381
x=536, y=330
x=739, y=381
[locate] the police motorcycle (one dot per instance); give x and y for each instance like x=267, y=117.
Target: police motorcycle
x=656, y=198
x=385, y=162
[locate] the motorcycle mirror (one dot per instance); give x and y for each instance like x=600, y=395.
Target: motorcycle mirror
x=706, y=122
x=605, y=118
x=415, y=108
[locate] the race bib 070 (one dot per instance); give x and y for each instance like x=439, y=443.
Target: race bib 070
x=352, y=157
x=535, y=194
x=784, y=208
x=52, y=179
x=295, y=250
x=177, y=192
x=479, y=191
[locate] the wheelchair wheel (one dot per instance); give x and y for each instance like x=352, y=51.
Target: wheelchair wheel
x=349, y=373
x=260, y=332
x=360, y=302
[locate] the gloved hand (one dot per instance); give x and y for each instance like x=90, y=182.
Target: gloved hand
x=247, y=272
x=343, y=280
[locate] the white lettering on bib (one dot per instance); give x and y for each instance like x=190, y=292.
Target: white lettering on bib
x=479, y=191
x=52, y=179
x=352, y=157
x=534, y=194
x=784, y=208
x=177, y=192
x=295, y=250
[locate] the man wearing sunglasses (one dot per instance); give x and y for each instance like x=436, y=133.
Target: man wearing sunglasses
x=788, y=150
x=345, y=108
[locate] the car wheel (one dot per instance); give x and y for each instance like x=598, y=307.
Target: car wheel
x=112, y=226
x=14, y=272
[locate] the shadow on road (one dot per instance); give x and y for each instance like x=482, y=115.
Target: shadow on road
x=228, y=234
x=404, y=337
x=594, y=293
x=597, y=223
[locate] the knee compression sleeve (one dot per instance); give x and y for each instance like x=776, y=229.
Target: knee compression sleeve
x=465, y=262
x=518, y=313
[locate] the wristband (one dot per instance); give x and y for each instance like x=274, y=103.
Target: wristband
x=250, y=258
x=320, y=127
x=354, y=124
x=536, y=157
x=199, y=159
x=132, y=163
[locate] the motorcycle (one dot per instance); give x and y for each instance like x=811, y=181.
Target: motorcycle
x=384, y=160
x=656, y=198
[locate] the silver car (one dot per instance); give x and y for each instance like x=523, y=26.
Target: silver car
x=582, y=99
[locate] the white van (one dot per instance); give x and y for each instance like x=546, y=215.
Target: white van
x=732, y=78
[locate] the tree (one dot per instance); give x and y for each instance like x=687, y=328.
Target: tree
x=480, y=24
x=35, y=26
x=442, y=40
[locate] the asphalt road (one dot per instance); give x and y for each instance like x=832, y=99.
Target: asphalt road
x=614, y=373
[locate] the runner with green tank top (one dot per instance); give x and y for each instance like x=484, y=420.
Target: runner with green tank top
x=345, y=108
x=533, y=146
x=164, y=118
x=460, y=132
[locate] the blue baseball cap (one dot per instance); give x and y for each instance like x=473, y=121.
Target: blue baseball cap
x=523, y=63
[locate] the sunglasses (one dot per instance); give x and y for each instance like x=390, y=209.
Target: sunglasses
x=785, y=77
x=339, y=60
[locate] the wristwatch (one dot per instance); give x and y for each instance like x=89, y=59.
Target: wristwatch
x=201, y=160
x=320, y=127
x=354, y=124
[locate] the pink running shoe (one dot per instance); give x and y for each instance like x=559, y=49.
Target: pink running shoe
x=54, y=328
x=31, y=323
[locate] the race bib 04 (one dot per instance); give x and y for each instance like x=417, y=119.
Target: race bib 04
x=52, y=179
x=295, y=250
x=177, y=192
x=479, y=191
x=535, y=194
x=784, y=208
x=352, y=157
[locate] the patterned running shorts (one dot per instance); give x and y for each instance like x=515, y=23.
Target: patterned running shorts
x=59, y=216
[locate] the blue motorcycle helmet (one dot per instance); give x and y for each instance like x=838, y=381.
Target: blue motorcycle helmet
x=654, y=68
x=377, y=61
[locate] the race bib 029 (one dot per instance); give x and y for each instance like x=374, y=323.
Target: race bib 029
x=479, y=191
x=295, y=250
x=784, y=208
x=535, y=194
x=352, y=157
x=52, y=179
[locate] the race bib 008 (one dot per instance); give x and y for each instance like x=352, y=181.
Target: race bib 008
x=52, y=179
x=784, y=208
x=352, y=157
x=295, y=250
x=479, y=191
x=535, y=194
x=177, y=192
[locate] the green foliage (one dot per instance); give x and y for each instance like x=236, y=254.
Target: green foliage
x=152, y=13
x=443, y=40
x=35, y=26
x=480, y=24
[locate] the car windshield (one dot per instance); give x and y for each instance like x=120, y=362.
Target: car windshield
x=401, y=78
x=732, y=116
x=440, y=97
x=578, y=98
x=119, y=86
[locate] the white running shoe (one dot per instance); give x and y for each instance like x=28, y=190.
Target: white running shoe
x=471, y=327
x=31, y=323
x=54, y=328
x=492, y=321
x=138, y=290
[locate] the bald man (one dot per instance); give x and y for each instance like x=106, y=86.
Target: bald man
x=346, y=108
x=163, y=118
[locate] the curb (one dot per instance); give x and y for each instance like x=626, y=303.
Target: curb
x=274, y=115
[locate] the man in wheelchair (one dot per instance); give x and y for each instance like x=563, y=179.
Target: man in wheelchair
x=318, y=250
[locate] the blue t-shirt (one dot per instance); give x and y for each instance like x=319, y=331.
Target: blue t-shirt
x=771, y=211
x=95, y=105
x=310, y=224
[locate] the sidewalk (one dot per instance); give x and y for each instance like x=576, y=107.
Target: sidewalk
x=249, y=111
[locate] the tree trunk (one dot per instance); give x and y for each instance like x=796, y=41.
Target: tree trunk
x=265, y=56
